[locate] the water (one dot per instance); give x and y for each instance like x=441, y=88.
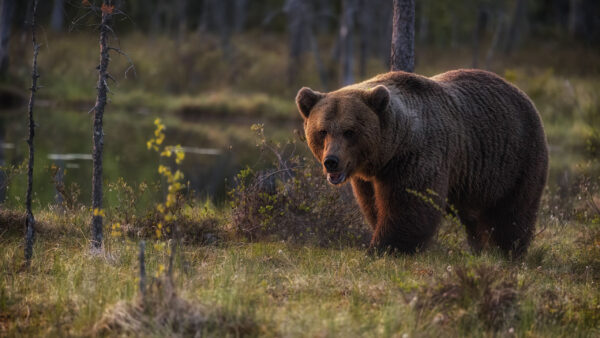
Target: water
x=215, y=152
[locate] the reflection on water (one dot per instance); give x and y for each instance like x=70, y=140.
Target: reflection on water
x=64, y=140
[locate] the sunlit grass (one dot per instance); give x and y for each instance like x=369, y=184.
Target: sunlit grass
x=305, y=291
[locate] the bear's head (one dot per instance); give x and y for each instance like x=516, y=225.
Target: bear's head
x=343, y=129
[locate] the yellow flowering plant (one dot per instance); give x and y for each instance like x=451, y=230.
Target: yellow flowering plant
x=174, y=178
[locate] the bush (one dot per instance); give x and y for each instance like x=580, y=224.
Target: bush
x=291, y=201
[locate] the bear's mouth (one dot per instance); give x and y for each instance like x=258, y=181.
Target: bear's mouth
x=336, y=178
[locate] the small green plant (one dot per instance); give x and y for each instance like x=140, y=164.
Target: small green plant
x=170, y=210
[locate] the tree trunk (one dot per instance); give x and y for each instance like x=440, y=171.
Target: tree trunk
x=239, y=18
x=515, y=25
x=30, y=220
x=346, y=41
x=478, y=34
x=182, y=20
x=495, y=40
x=6, y=16
x=423, y=22
x=2, y=163
x=58, y=16
x=403, y=36
x=98, y=137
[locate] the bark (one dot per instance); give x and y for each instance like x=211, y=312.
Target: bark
x=98, y=136
x=403, y=36
x=30, y=220
x=6, y=17
x=346, y=41
x=58, y=15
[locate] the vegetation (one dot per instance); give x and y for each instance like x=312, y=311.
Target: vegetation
x=264, y=246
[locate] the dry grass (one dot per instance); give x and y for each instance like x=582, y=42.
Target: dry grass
x=162, y=312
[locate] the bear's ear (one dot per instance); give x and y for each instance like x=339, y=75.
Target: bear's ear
x=306, y=100
x=377, y=98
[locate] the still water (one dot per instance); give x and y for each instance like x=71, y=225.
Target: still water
x=215, y=152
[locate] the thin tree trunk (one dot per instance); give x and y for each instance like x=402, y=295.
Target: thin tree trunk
x=365, y=20
x=6, y=16
x=495, y=39
x=515, y=25
x=239, y=18
x=423, y=23
x=58, y=15
x=98, y=133
x=403, y=36
x=2, y=162
x=346, y=41
x=30, y=220
x=478, y=34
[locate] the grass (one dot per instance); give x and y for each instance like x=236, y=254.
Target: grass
x=282, y=289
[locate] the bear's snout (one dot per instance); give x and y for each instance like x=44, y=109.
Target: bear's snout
x=331, y=163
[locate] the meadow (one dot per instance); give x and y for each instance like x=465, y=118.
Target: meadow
x=287, y=259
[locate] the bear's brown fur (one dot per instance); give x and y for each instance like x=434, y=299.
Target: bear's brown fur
x=465, y=138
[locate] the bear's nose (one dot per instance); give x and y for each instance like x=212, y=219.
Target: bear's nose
x=331, y=163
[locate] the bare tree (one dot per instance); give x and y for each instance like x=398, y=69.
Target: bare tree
x=403, y=36
x=349, y=8
x=6, y=16
x=478, y=32
x=58, y=15
x=516, y=24
x=30, y=220
x=98, y=137
x=300, y=27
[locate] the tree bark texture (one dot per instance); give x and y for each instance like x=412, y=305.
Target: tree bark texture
x=30, y=220
x=403, y=36
x=6, y=14
x=98, y=136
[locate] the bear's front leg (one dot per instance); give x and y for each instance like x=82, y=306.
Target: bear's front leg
x=407, y=219
x=365, y=196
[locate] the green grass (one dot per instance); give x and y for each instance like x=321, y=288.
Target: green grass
x=280, y=289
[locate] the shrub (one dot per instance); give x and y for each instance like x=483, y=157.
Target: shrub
x=291, y=201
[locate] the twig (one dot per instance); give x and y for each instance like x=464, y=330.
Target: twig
x=131, y=65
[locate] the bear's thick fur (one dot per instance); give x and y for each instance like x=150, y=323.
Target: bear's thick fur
x=413, y=146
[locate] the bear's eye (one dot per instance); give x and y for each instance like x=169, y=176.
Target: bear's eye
x=348, y=134
x=323, y=133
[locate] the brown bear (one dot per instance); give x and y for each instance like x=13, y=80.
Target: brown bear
x=413, y=146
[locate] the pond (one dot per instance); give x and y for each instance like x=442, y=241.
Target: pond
x=215, y=151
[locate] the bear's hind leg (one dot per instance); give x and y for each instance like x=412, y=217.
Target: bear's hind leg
x=512, y=223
